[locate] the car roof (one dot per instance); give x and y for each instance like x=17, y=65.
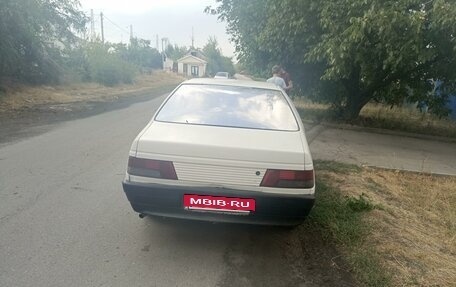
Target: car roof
x=232, y=83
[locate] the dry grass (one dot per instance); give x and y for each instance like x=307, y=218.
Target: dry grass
x=407, y=119
x=414, y=225
x=311, y=111
x=18, y=97
x=384, y=117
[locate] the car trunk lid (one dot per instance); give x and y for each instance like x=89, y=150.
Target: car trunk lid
x=221, y=155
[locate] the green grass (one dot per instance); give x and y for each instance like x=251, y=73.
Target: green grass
x=383, y=117
x=340, y=218
x=359, y=204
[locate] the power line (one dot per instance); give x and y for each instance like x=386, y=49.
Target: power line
x=126, y=31
x=123, y=30
x=112, y=22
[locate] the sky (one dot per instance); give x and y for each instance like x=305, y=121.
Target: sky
x=172, y=19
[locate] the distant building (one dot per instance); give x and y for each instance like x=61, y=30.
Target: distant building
x=168, y=63
x=192, y=65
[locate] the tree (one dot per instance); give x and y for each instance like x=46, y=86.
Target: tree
x=175, y=52
x=142, y=55
x=106, y=66
x=216, y=62
x=350, y=52
x=34, y=35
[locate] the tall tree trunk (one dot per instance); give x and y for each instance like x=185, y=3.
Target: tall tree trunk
x=356, y=99
x=354, y=105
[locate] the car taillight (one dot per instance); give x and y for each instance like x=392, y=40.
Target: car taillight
x=288, y=178
x=151, y=168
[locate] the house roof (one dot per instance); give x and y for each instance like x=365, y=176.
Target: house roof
x=196, y=59
x=197, y=53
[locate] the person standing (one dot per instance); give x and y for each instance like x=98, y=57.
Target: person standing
x=287, y=79
x=276, y=79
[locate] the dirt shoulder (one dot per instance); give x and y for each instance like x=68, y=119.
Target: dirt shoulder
x=29, y=110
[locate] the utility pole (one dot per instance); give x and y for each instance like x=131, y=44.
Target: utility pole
x=131, y=33
x=165, y=43
x=156, y=43
x=92, y=26
x=193, y=39
x=102, y=29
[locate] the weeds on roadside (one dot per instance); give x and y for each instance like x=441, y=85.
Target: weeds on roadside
x=340, y=218
x=359, y=204
x=393, y=228
x=337, y=167
x=383, y=117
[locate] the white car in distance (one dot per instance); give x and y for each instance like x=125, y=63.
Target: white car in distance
x=222, y=75
x=223, y=151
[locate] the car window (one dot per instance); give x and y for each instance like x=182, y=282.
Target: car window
x=222, y=74
x=229, y=106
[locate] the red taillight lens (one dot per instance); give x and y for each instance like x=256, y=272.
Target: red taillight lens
x=151, y=168
x=288, y=178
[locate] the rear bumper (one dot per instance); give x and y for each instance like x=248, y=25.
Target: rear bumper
x=271, y=209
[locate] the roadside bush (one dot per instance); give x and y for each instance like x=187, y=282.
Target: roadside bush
x=108, y=68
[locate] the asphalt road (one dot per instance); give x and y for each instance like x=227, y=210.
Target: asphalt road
x=64, y=221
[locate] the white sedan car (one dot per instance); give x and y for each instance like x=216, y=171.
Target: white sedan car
x=232, y=151
x=222, y=75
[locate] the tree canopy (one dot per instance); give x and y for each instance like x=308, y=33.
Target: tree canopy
x=216, y=62
x=44, y=41
x=140, y=53
x=34, y=35
x=349, y=52
x=175, y=52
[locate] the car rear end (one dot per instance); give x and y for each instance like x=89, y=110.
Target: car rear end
x=222, y=167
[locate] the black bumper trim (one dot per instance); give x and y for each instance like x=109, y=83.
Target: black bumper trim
x=167, y=201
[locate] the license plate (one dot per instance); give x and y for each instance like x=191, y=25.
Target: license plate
x=218, y=203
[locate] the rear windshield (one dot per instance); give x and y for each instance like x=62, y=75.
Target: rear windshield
x=229, y=106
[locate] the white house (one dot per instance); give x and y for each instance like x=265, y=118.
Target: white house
x=192, y=65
